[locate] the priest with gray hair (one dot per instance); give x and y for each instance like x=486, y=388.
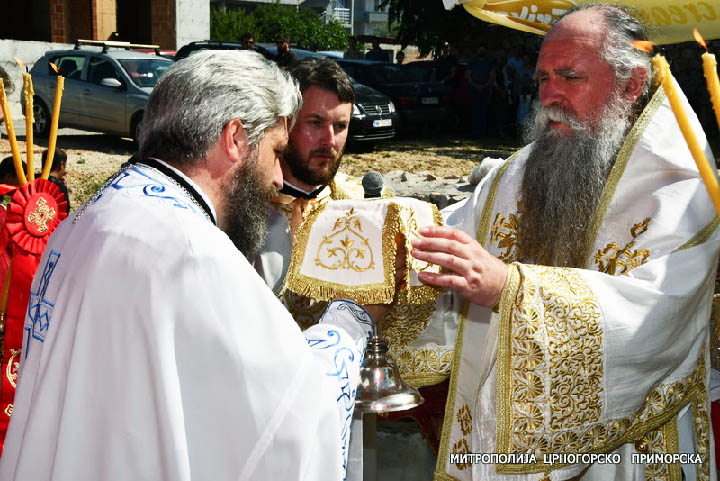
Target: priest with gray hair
x=152, y=349
x=583, y=272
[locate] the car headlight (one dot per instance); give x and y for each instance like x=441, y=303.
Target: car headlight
x=356, y=110
x=392, y=108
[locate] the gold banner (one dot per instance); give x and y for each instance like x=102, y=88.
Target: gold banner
x=669, y=21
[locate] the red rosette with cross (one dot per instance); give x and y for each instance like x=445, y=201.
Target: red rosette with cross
x=34, y=213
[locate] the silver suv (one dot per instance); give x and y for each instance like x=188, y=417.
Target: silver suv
x=105, y=91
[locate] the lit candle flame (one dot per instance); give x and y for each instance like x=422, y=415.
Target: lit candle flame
x=54, y=67
x=19, y=62
x=699, y=39
x=644, y=45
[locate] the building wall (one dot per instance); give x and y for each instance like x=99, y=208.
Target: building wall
x=192, y=21
x=173, y=23
x=162, y=23
x=105, y=18
x=79, y=21
x=29, y=53
x=58, y=24
x=366, y=19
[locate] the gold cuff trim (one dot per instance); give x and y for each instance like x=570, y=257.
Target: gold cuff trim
x=504, y=357
x=443, y=455
x=701, y=421
x=422, y=380
x=483, y=228
x=672, y=445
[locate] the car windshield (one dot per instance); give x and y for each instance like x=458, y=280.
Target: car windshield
x=394, y=74
x=145, y=72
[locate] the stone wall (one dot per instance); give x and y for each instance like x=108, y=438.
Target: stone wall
x=28, y=52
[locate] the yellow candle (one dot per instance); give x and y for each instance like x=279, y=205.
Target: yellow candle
x=662, y=70
x=5, y=289
x=713, y=84
x=711, y=76
x=53, y=127
x=11, y=135
x=29, y=93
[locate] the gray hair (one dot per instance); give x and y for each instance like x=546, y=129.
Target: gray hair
x=196, y=98
x=623, y=27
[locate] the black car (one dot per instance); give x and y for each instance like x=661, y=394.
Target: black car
x=195, y=47
x=373, y=116
x=420, y=103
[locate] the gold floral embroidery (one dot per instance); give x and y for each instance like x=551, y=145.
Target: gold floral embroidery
x=662, y=440
x=423, y=366
x=614, y=260
x=702, y=433
x=528, y=417
x=660, y=407
x=404, y=323
x=504, y=233
x=461, y=447
x=13, y=367
x=569, y=314
x=715, y=331
x=563, y=315
x=464, y=418
x=42, y=215
x=340, y=252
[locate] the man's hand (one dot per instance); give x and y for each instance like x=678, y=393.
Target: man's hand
x=474, y=273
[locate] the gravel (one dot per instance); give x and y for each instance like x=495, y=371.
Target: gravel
x=92, y=158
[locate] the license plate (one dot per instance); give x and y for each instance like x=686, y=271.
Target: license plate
x=382, y=123
x=429, y=100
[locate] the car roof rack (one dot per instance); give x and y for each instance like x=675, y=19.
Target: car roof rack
x=107, y=44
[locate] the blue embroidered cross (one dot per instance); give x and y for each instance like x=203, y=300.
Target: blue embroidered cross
x=39, y=308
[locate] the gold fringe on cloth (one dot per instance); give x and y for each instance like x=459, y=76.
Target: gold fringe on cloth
x=354, y=255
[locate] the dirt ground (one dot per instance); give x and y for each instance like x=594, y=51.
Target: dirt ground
x=92, y=158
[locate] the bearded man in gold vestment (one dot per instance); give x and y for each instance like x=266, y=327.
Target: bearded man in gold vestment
x=583, y=268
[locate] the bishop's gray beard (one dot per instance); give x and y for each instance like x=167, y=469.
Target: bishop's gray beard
x=564, y=178
x=247, y=207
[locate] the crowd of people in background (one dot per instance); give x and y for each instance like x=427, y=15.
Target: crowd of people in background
x=492, y=90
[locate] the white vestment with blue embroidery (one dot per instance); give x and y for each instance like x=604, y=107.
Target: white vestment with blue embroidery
x=156, y=352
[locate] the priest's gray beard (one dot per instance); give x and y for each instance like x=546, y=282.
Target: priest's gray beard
x=564, y=179
x=246, y=203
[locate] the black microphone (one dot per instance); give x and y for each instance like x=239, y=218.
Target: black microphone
x=372, y=183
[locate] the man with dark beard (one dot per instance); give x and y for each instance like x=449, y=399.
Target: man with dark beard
x=152, y=349
x=311, y=179
x=310, y=173
x=583, y=269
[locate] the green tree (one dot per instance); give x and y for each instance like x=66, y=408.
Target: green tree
x=427, y=24
x=304, y=26
x=230, y=25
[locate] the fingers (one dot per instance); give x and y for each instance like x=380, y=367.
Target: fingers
x=452, y=281
x=449, y=261
x=446, y=232
x=443, y=245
